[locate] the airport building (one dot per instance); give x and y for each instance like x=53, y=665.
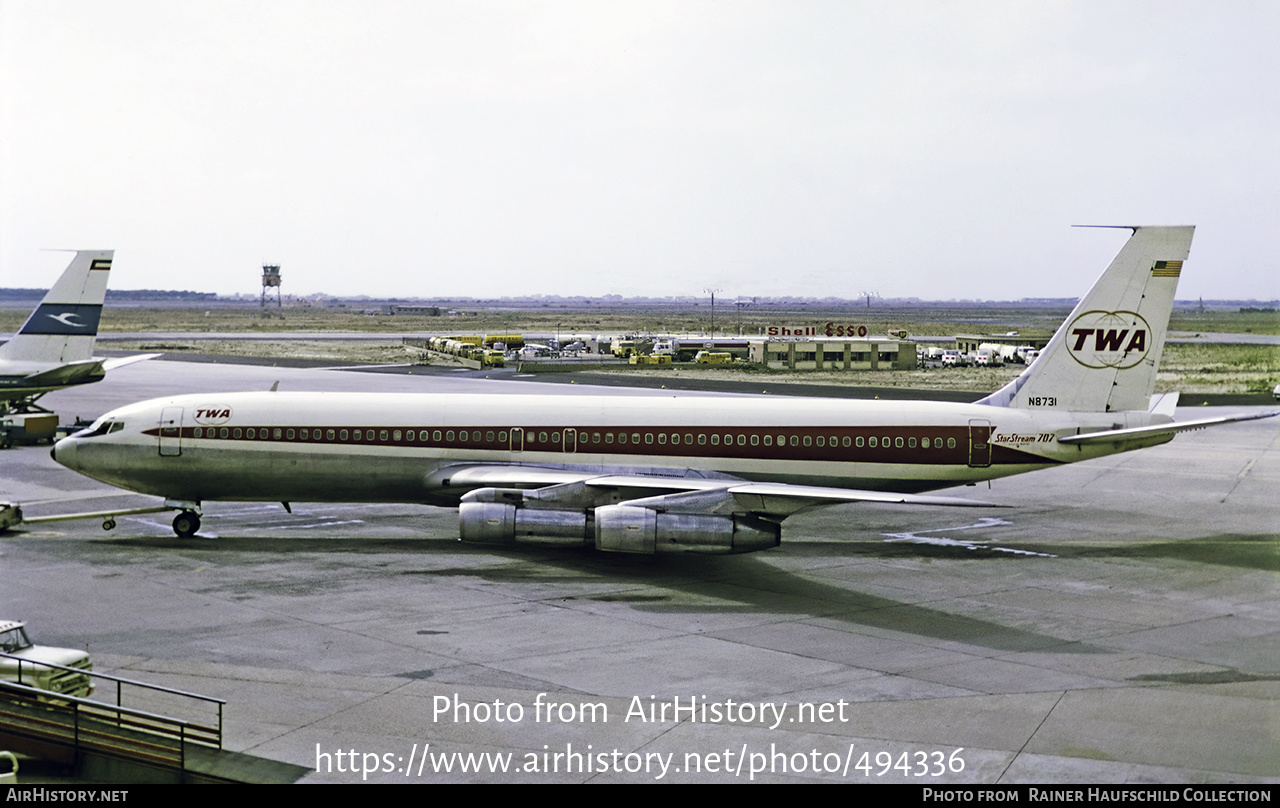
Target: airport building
x=967, y=343
x=869, y=353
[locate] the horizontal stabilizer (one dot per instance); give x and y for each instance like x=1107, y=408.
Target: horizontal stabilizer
x=1157, y=431
x=65, y=375
x=121, y=361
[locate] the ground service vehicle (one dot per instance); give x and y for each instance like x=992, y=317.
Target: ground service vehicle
x=20, y=662
x=713, y=358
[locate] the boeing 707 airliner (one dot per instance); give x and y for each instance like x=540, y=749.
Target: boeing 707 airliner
x=651, y=475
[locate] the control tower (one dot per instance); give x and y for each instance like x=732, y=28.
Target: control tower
x=270, y=280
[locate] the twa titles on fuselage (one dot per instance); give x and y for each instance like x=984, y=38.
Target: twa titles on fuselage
x=670, y=474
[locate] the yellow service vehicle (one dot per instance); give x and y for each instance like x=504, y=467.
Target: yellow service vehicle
x=713, y=358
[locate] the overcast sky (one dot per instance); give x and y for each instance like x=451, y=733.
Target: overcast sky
x=916, y=149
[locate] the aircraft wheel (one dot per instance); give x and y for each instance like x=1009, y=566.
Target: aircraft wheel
x=108, y=524
x=186, y=524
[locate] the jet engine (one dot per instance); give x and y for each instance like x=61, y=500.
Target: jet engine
x=513, y=516
x=633, y=529
x=504, y=523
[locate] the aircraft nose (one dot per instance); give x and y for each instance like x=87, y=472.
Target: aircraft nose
x=64, y=452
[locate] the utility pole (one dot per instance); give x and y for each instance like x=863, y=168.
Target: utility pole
x=712, y=292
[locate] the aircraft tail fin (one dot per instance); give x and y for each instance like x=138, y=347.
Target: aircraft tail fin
x=1105, y=356
x=64, y=326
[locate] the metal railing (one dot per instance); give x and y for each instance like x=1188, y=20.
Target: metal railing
x=86, y=725
x=203, y=733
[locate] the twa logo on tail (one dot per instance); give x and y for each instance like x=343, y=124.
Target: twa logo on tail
x=1109, y=339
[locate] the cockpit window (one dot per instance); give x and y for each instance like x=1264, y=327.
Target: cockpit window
x=103, y=427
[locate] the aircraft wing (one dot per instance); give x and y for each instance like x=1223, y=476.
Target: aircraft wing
x=1159, y=430
x=672, y=493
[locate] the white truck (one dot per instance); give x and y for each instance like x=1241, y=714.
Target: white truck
x=20, y=662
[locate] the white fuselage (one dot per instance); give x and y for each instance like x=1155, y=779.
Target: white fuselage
x=364, y=447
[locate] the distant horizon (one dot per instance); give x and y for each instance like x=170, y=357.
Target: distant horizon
x=21, y=296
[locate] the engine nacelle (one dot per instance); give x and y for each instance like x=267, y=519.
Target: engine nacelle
x=504, y=523
x=631, y=529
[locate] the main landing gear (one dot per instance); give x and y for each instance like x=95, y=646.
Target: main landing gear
x=186, y=523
